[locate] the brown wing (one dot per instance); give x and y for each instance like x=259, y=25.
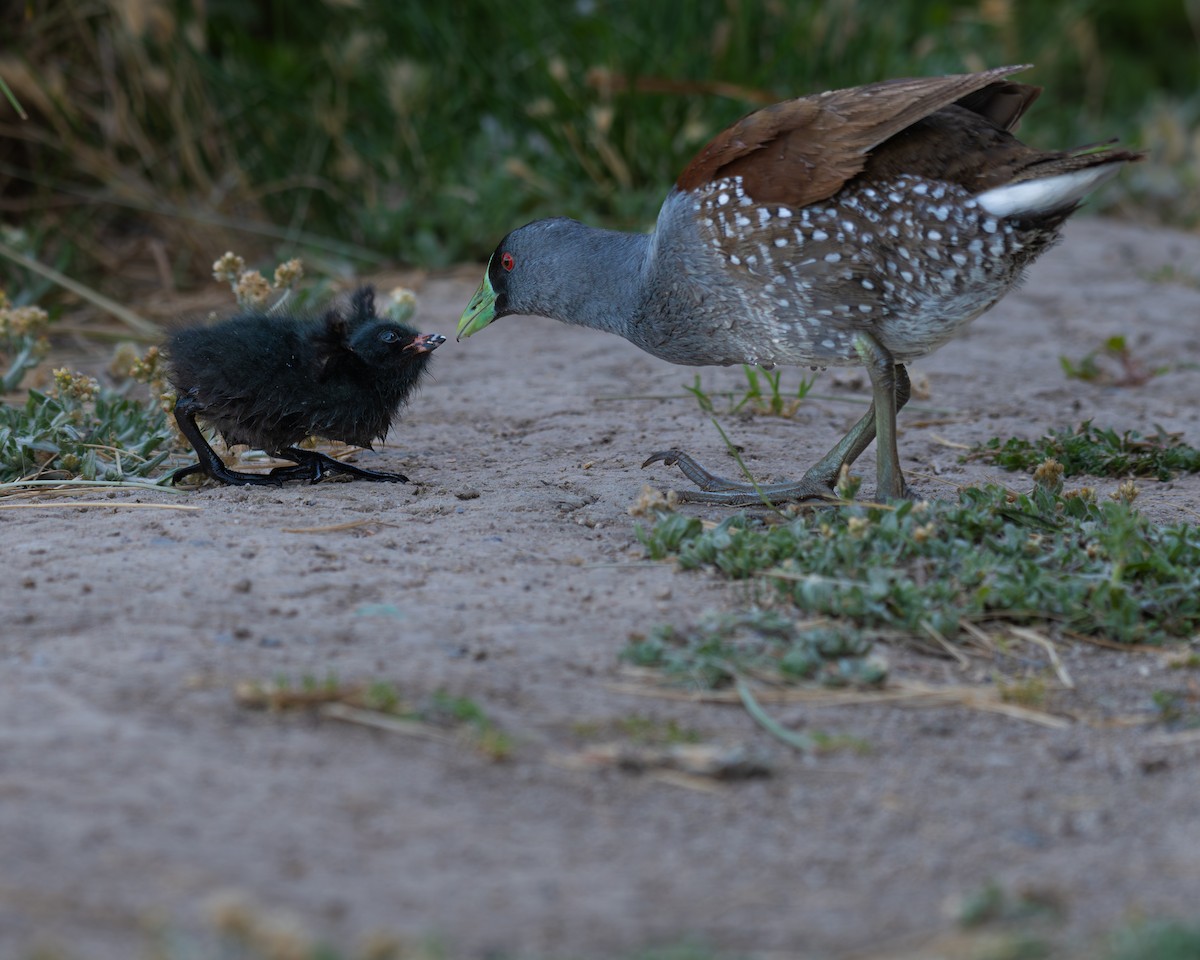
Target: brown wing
x=802, y=151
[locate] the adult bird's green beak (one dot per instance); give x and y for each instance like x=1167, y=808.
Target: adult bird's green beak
x=480, y=311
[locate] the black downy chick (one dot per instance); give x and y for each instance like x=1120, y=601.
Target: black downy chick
x=271, y=380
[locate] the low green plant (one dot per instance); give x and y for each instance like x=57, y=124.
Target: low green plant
x=23, y=342
x=722, y=647
x=78, y=428
x=1177, y=709
x=1171, y=273
x=731, y=649
x=1093, y=451
x=82, y=430
x=1096, y=568
x=1157, y=940
x=1131, y=372
x=992, y=903
x=444, y=709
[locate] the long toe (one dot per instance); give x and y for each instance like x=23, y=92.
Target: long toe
x=314, y=466
x=301, y=471
x=383, y=477
x=358, y=473
x=735, y=493
x=186, y=472
x=236, y=479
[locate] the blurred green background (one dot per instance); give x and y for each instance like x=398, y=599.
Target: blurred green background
x=364, y=132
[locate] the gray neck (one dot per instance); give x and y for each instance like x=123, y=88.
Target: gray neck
x=588, y=277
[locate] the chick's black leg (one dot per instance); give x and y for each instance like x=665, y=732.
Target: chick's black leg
x=816, y=484
x=314, y=466
x=186, y=408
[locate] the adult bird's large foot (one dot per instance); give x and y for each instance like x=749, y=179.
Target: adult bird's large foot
x=737, y=493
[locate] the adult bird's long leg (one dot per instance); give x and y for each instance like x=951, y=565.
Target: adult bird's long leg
x=186, y=408
x=881, y=368
x=817, y=483
x=850, y=447
x=315, y=465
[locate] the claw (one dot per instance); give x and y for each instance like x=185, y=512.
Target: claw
x=735, y=493
x=668, y=457
x=891, y=390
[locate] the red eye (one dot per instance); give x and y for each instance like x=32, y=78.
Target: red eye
x=506, y=261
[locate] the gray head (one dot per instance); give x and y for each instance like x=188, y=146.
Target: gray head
x=515, y=273
x=562, y=269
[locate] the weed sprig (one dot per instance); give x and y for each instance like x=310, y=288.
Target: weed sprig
x=440, y=710
x=763, y=394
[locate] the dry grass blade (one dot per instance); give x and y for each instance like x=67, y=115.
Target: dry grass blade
x=586, y=761
x=985, y=645
x=1105, y=643
x=942, y=441
x=115, y=504
x=338, y=527
x=953, y=651
x=276, y=697
x=1031, y=636
x=382, y=721
x=124, y=314
x=56, y=488
x=908, y=693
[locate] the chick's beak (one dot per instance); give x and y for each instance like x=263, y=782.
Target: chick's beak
x=426, y=343
x=480, y=311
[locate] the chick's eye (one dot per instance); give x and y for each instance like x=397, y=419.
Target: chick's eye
x=507, y=261
x=389, y=336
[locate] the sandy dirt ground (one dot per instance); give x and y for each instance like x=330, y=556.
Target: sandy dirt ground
x=135, y=789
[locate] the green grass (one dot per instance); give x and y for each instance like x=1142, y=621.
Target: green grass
x=1074, y=564
x=423, y=132
x=1093, y=451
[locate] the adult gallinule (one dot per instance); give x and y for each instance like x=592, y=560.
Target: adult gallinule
x=855, y=226
x=271, y=380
